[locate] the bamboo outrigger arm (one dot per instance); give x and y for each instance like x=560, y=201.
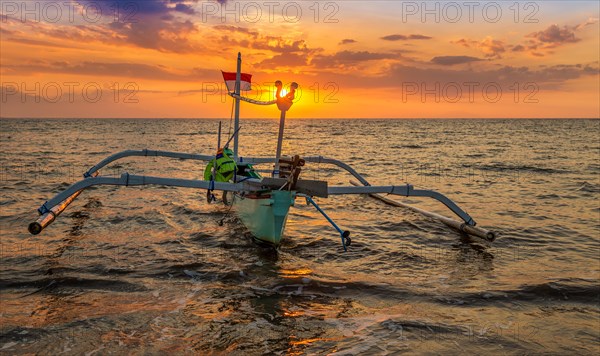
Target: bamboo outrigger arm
x=396, y=190
x=145, y=153
x=127, y=179
x=55, y=206
x=406, y=190
x=180, y=155
x=312, y=159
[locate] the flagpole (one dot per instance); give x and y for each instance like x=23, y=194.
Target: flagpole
x=238, y=78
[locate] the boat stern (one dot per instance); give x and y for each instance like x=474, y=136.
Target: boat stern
x=265, y=214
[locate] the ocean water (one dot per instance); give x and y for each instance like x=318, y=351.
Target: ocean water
x=150, y=269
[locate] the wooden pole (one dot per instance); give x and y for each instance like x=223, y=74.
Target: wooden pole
x=238, y=78
x=48, y=218
x=458, y=225
x=279, y=144
x=219, y=137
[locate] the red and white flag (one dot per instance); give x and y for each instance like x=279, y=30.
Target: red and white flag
x=245, y=80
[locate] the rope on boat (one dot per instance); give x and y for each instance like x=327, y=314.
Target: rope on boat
x=252, y=101
x=220, y=222
x=230, y=119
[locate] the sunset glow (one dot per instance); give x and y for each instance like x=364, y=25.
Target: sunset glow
x=352, y=59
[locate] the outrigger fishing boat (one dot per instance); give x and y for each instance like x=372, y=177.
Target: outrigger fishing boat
x=262, y=203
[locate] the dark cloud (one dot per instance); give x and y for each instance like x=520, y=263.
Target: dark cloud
x=151, y=24
x=242, y=37
x=285, y=52
x=394, y=38
x=463, y=42
x=453, y=60
x=541, y=43
x=397, y=75
x=405, y=38
x=238, y=29
x=555, y=35
x=490, y=47
x=134, y=9
x=281, y=45
x=159, y=34
x=186, y=9
x=141, y=7
x=347, y=41
x=419, y=37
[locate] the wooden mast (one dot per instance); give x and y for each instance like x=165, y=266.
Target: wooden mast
x=236, y=124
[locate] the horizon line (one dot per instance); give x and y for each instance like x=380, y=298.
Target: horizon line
x=302, y=118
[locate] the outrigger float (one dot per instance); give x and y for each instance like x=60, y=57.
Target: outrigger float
x=262, y=203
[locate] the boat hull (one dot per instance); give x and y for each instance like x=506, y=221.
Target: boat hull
x=265, y=214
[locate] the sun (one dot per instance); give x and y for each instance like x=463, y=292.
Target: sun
x=283, y=92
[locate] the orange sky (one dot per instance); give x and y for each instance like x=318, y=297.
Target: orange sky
x=352, y=59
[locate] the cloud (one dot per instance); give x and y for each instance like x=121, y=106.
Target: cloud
x=555, y=35
x=398, y=75
x=237, y=36
x=101, y=69
x=160, y=34
x=345, y=58
x=405, y=38
x=41, y=33
x=518, y=48
x=283, y=60
x=542, y=42
x=283, y=52
x=238, y=29
x=347, y=41
x=186, y=9
x=490, y=47
x=144, y=8
x=539, y=43
x=162, y=25
x=590, y=21
x=151, y=24
x=34, y=42
x=453, y=60
x=6, y=32
x=419, y=37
